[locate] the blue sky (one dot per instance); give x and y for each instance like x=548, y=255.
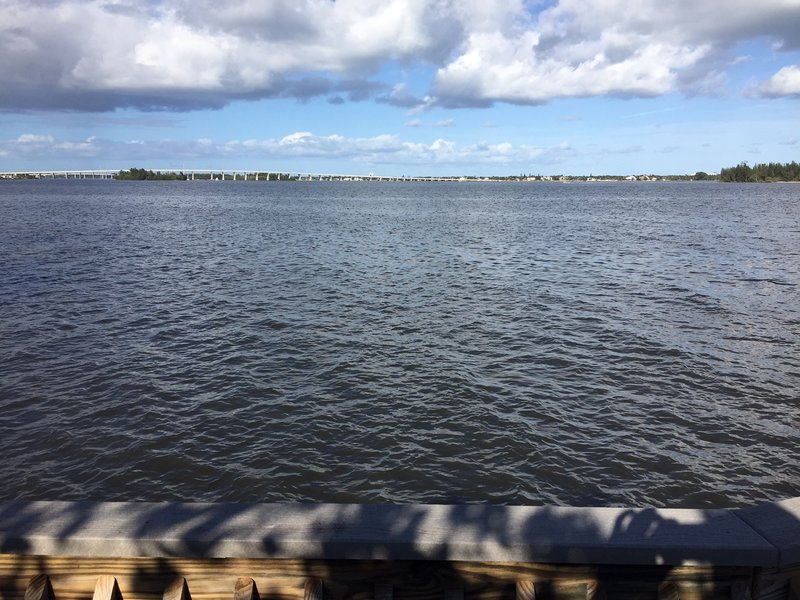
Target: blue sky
x=477, y=87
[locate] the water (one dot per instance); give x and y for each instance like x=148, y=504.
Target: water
x=585, y=344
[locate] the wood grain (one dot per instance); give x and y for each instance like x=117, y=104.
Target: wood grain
x=39, y=588
x=245, y=589
x=153, y=578
x=106, y=588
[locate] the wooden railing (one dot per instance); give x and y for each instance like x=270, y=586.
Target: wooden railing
x=147, y=551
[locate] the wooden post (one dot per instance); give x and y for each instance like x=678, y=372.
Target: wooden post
x=245, y=589
x=39, y=588
x=106, y=588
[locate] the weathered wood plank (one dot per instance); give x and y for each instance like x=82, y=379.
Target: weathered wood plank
x=75, y=578
x=350, y=571
x=39, y=588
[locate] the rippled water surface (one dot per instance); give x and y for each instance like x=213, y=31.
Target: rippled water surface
x=507, y=343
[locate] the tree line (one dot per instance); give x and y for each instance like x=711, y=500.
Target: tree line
x=766, y=172
x=146, y=174
x=137, y=174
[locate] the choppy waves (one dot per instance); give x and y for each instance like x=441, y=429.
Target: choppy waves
x=566, y=344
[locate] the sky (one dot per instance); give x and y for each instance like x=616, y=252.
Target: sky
x=400, y=87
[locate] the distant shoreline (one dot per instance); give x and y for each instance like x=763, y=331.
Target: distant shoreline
x=741, y=173
x=231, y=175
x=424, y=179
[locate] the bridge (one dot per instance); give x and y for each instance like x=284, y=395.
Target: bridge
x=221, y=175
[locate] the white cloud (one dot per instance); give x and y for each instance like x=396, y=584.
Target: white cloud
x=181, y=54
x=599, y=47
x=380, y=149
x=785, y=82
x=90, y=54
x=31, y=138
x=498, y=68
x=47, y=146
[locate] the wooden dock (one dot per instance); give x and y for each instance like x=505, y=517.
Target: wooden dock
x=154, y=551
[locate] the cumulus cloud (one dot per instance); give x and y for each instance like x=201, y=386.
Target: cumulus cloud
x=32, y=138
x=386, y=149
x=785, y=82
x=383, y=149
x=98, y=55
x=610, y=47
x=45, y=146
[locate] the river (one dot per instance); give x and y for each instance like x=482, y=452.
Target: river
x=516, y=343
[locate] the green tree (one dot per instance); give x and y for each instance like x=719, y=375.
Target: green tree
x=767, y=172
